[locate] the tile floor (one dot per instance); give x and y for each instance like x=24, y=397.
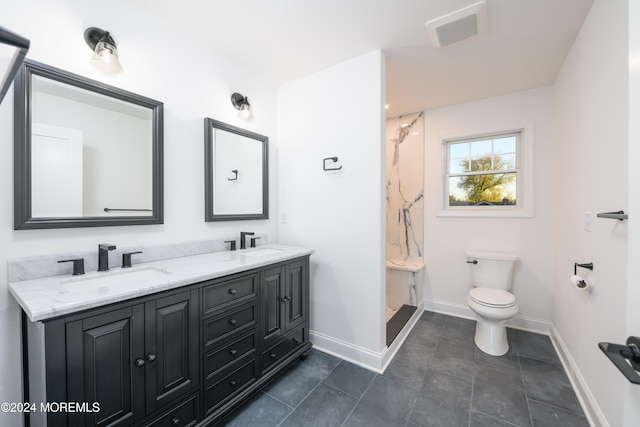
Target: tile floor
x=437, y=378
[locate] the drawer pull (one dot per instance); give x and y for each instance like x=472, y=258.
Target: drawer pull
x=139, y=362
x=273, y=355
x=232, y=291
x=175, y=421
x=151, y=357
x=232, y=383
x=233, y=351
x=232, y=321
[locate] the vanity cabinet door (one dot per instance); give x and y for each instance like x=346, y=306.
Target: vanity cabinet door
x=103, y=366
x=295, y=296
x=171, y=348
x=272, y=304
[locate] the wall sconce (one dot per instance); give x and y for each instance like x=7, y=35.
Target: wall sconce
x=241, y=103
x=105, y=53
x=13, y=49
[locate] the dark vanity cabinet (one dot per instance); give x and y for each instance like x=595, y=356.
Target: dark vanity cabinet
x=183, y=357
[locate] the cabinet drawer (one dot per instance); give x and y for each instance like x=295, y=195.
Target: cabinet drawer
x=226, y=385
x=277, y=352
x=183, y=415
x=219, y=328
x=221, y=295
x=218, y=359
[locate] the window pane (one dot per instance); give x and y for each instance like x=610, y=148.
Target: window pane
x=458, y=150
x=458, y=165
x=504, y=161
x=483, y=190
x=504, y=145
x=481, y=148
x=483, y=163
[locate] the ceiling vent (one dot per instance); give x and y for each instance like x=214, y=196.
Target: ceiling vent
x=460, y=25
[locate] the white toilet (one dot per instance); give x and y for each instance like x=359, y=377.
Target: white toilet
x=491, y=300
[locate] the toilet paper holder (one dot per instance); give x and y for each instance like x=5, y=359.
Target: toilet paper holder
x=588, y=266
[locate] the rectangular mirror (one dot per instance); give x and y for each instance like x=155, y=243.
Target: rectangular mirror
x=86, y=154
x=236, y=173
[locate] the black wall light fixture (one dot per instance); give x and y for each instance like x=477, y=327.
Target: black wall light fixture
x=241, y=103
x=13, y=49
x=105, y=52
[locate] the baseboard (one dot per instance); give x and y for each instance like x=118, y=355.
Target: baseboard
x=517, y=322
x=587, y=401
x=374, y=361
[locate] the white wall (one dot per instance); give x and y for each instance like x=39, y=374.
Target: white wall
x=591, y=148
x=338, y=112
x=160, y=63
x=448, y=277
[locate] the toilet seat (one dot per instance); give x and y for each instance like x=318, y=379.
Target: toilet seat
x=490, y=297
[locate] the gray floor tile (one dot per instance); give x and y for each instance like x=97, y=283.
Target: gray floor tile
x=510, y=360
x=261, y=411
x=548, y=383
x=535, y=346
x=457, y=327
x=386, y=403
x=549, y=416
x=324, y=407
x=478, y=419
x=432, y=322
x=350, y=378
x=409, y=366
x=500, y=394
x=444, y=400
x=454, y=356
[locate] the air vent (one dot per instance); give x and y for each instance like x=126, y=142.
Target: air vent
x=457, y=26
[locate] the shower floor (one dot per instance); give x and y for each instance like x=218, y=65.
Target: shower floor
x=398, y=320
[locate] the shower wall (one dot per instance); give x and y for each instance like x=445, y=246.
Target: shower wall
x=405, y=211
x=405, y=187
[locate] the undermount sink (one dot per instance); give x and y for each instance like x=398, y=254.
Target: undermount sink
x=125, y=277
x=261, y=252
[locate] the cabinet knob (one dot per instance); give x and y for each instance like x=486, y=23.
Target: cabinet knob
x=151, y=357
x=296, y=340
x=175, y=421
x=139, y=362
x=232, y=383
x=233, y=351
x=232, y=321
x=232, y=291
x=273, y=355
x=285, y=299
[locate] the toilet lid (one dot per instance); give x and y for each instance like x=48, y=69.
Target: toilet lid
x=492, y=297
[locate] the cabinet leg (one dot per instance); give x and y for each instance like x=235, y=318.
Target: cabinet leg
x=304, y=355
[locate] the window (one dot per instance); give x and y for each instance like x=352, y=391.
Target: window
x=484, y=175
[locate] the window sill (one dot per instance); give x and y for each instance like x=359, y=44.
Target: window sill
x=489, y=213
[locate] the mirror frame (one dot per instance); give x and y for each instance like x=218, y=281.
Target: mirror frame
x=23, y=219
x=209, y=215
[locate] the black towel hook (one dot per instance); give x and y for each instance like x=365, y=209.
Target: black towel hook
x=333, y=159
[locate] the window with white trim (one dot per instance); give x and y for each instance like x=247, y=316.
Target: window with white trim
x=484, y=175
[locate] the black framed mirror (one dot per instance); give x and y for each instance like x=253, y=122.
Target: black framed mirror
x=86, y=154
x=236, y=173
x=13, y=49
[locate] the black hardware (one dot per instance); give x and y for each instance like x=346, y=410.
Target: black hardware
x=126, y=210
x=139, y=362
x=588, y=266
x=273, y=355
x=22, y=46
x=175, y=421
x=78, y=265
x=620, y=354
x=151, y=357
x=614, y=215
x=232, y=291
x=243, y=242
x=103, y=255
x=233, y=244
x=235, y=178
x=285, y=299
x=475, y=261
x=333, y=159
x=233, y=351
x=253, y=241
x=233, y=383
x=233, y=322
x=126, y=258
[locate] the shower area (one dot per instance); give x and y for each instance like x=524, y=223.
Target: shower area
x=405, y=220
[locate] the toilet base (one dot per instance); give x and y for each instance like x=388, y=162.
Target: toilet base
x=491, y=337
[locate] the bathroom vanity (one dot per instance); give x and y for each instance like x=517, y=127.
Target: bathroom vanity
x=177, y=342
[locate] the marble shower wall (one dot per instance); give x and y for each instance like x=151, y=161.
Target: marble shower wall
x=405, y=187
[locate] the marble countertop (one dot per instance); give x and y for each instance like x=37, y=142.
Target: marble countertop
x=49, y=297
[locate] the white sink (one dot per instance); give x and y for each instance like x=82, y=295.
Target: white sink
x=261, y=252
x=114, y=278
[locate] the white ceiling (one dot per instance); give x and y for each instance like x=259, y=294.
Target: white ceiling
x=282, y=40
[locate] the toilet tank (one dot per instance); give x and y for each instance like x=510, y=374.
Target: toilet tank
x=493, y=269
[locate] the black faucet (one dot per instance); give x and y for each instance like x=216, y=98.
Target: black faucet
x=243, y=242
x=103, y=255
